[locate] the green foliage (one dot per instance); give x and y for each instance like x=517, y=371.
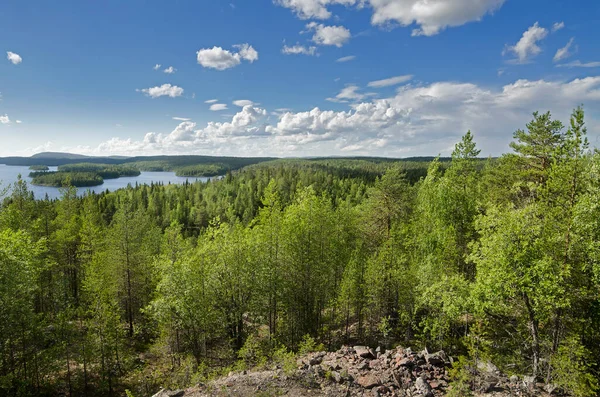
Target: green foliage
x=460, y=378
x=572, y=369
x=309, y=345
x=59, y=179
x=169, y=285
x=39, y=168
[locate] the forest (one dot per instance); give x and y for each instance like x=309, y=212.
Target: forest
x=164, y=286
x=80, y=174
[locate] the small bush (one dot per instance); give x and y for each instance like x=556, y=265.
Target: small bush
x=309, y=345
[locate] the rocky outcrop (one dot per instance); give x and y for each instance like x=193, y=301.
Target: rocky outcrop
x=363, y=371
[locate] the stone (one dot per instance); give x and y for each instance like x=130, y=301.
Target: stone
x=368, y=381
x=437, y=359
x=169, y=393
x=364, y=352
x=529, y=382
x=487, y=367
x=337, y=377
x=514, y=379
x=315, y=360
x=405, y=362
x=423, y=388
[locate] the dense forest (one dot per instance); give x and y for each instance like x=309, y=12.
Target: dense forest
x=153, y=286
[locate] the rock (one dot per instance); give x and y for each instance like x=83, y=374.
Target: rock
x=437, y=359
x=169, y=393
x=364, y=352
x=315, y=360
x=438, y=384
x=487, y=367
x=550, y=388
x=514, y=379
x=423, y=388
x=529, y=382
x=405, y=362
x=338, y=377
x=368, y=381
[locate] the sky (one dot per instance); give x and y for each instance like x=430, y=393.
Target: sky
x=290, y=78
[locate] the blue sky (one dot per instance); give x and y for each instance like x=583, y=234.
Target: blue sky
x=82, y=77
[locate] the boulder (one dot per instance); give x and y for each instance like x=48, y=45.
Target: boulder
x=368, y=381
x=364, y=352
x=423, y=388
x=438, y=359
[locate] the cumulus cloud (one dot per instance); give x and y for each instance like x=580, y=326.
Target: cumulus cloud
x=157, y=66
x=211, y=101
x=527, y=47
x=220, y=59
x=216, y=107
x=169, y=90
x=390, y=81
x=181, y=118
x=564, y=52
x=170, y=70
x=579, y=64
x=4, y=119
x=14, y=58
x=312, y=9
x=431, y=17
x=299, y=50
x=329, y=35
x=346, y=59
x=243, y=102
x=558, y=26
x=416, y=120
x=18, y=121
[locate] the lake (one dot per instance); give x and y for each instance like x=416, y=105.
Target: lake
x=9, y=173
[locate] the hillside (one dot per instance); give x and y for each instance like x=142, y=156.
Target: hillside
x=58, y=156
x=363, y=371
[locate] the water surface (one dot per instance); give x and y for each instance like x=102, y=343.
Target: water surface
x=9, y=173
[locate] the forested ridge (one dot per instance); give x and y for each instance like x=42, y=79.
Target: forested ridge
x=164, y=286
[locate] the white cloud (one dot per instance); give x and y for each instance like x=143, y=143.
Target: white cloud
x=329, y=35
x=216, y=107
x=299, y=49
x=14, y=58
x=416, y=120
x=18, y=121
x=564, y=52
x=157, y=66
x=390, y=81
x=181, y=118
x=431, y=16
x=243, y=102
x=169, y=90
x=4, y=119
x=347, y=94
x=312, y=9
x=220, y=59
x=170, y=70
x=183, y=132
x=247, y=52
x=527, y=48
x=211, y=101
x=579, y=64
x=558, y=26
x=346, y=59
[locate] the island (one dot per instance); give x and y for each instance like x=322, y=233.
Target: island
x=39, y=168
x=82, y=174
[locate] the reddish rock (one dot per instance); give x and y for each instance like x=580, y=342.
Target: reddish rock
x=368, y=381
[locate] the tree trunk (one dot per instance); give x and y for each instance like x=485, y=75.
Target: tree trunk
x=534, y=329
